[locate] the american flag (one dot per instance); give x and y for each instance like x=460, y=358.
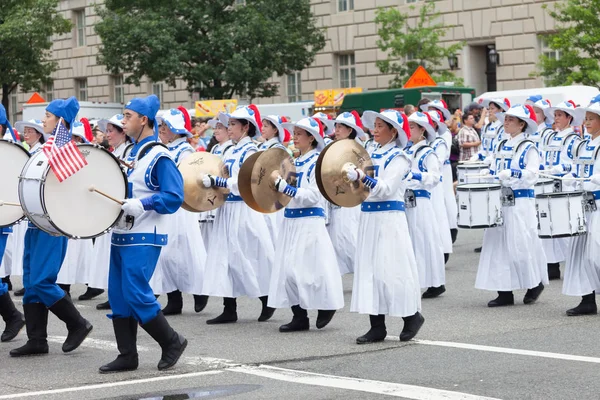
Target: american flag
x=64, y=157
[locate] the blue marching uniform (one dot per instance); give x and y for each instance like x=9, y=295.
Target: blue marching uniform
x=3, y=239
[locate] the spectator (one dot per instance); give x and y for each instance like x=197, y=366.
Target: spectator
x=199, y=129
x=468, y=139
x=409, y=109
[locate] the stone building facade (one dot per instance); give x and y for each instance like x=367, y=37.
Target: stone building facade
x=513, y=28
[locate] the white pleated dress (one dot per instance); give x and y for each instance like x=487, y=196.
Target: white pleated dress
x=77, y=263
x=386, y=280
x=305, y=271
x=181, y=262
x=448, y=183
x=422, y=224
x=273, y=220
x=442, y=151
x=512, y=256
x=343, y=231
x=582, y=272
x=241, y=253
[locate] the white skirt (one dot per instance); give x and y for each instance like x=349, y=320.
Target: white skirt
x=582, y=273
x=12, y=261
x=512, y=256
x=305, y=271
x=343, y=231
x=556, y=250
x=450, y=196
x=272, y=225
x=425, y=238
x=182, y=261
x=206, y=231
x=78, y=261
x=386, y=280
x=241, y=253
x=98, y=272
x=442, y=225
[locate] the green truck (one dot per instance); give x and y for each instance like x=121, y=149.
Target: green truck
x=377, y=100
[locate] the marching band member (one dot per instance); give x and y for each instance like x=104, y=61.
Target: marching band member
x=241, y=263
x=43, y=256
x=558, y=152
x=181, y=264
x=545, y=122
x=343, y=221
x=582, y=272
x=386, y=280
x=328, y=126
x=493, y=132
x=155, y=190
x=425, y=233
x=120, y=143
x=305, y=274
x=512, y=257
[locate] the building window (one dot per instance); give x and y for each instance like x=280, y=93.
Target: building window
x=118, y=89
x=294, y=87
x=347, y=70
x=157, y=89
x=14, y=102
x=547, y=51
x=82, y=89
x=80, y=27
x=49, y=91
x=345, y=5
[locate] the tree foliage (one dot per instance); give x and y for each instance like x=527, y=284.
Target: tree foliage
x=578, y=41
x=410, y=45
x=218, y=48
x=26, y=31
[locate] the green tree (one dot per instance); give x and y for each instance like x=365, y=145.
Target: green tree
x=26, y=30
x=578, y=41
x=218, y=48
x=410, y=45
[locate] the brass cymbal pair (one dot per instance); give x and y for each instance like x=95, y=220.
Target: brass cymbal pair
x=197, y=198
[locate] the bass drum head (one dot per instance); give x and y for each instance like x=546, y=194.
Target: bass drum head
x=13, y=158
x=73, y=209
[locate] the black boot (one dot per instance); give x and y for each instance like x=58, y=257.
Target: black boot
x=12, y=317
x=36, y=322
x=6, y=280
x=77, y=326
x=90, y=293
x=324, y=317
x=446, y=258
x=103, y=306
x=503, y=299
x=66, y=288
x=553, y=271
x=172, y=343
x=20, y=292
x=478, y=249
x=532, y=294
x=229, y=313
x=126, y=336
x=299, y=321
x=200, y=302
x=377, y=333
x=412, y=325
x=432, y=292
x=266, y=312
x=454, y=234
x=174, y=303
x=586, y=307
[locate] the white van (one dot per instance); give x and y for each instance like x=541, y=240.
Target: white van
x=581, y=95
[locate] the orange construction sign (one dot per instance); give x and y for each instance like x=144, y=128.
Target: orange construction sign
x=420, y=78
x=35, y=99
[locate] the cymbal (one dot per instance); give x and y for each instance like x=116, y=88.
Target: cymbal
x=257, y=176
x=331, y=176
x=196, y=197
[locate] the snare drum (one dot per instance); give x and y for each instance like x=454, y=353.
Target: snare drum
x=463, y=170
x=544, y=186
x=13, y=158
x=69, y=208
x=479, y=205
x=560, y=214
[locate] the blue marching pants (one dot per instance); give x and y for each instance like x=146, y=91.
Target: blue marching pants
x=129, y=291
x=3, y=240
x=42, y=259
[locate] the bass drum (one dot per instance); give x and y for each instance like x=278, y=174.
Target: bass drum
x=69, y=208
x=13, y=158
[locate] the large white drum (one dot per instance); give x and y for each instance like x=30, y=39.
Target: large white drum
x=69, y=208
x=479, y=205
x=560, y=214
x=465, y=173
x=13, y=158
x=544, y=186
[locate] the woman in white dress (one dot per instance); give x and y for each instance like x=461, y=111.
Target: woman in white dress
x=328, y=126
x=305, y=274
x=181, y=263
x=241, y=262
x=512, y=256
x=582, y=272
x=386, y=280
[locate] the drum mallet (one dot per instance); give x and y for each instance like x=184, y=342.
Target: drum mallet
x=6, y=203
x=562, y=178
x=93, y=189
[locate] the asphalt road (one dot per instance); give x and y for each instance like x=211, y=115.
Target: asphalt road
x=465, y=350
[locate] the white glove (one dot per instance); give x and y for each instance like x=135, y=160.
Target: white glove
x=280, y=184
x=207, y=181
x=133, y=207
x=354, y=174
x=485, y=172
x=504, y=174
x=475, y=157
x=556, y=170
x=595, y=179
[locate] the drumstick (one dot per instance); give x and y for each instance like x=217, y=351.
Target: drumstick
x=7, y=203
x=562, y=178
x=130, y=166
x=93, y=189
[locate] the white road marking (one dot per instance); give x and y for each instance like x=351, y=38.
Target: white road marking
x=107, y=385
x=361, y=385
x=98, y=344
